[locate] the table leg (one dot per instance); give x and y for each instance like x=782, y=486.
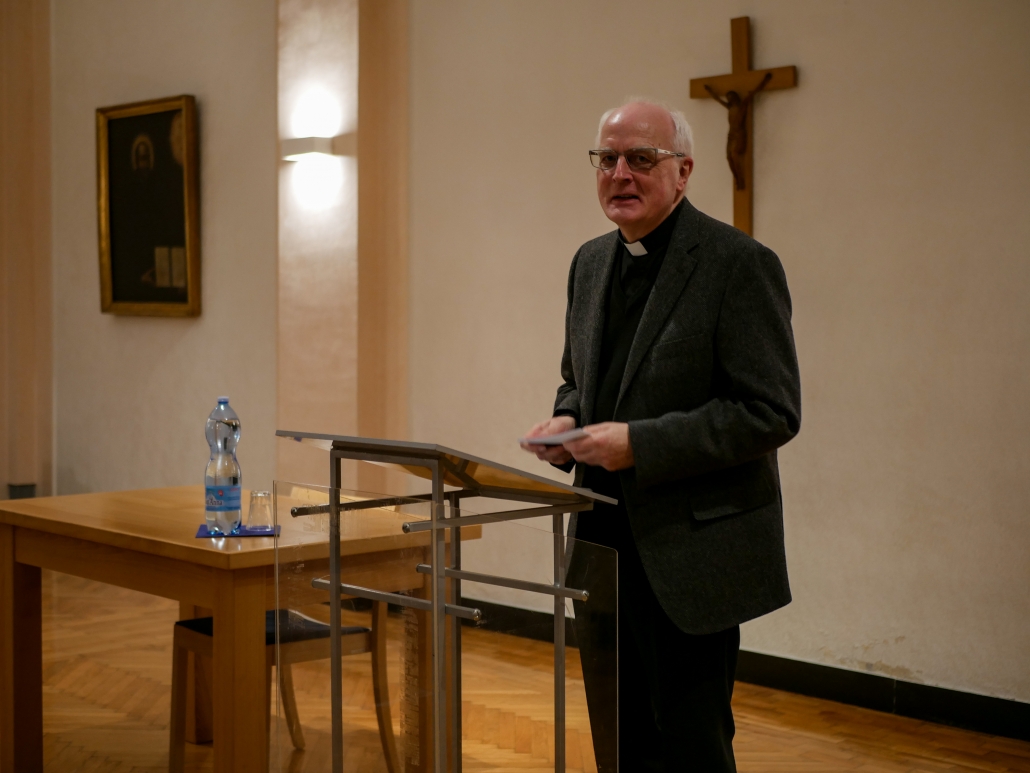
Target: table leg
x=238, y=666
x=198, y=684
x=21, y=662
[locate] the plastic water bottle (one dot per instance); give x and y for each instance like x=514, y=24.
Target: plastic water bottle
x=222, y=478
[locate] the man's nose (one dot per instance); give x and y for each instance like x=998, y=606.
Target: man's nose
x=621, y=170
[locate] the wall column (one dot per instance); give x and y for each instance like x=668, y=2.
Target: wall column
x=318, y=220
x=25, y=292
x=382, y=225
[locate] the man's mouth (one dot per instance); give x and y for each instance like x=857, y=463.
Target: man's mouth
x=625, y=196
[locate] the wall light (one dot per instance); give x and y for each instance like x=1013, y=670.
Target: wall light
x=295, y=148
x=317, y=177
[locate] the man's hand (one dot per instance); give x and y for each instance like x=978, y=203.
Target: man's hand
x=554, y=425
x=607, y=446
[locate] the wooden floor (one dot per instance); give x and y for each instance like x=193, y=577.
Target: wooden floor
x=107, y=670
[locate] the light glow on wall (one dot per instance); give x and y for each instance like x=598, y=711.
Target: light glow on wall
x=317, y=181
x=316, y=114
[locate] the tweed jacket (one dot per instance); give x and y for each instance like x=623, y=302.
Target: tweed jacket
x=710, y=391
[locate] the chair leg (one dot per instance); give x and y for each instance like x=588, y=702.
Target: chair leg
x=177, y=723
x=381, y=688
x=289, y=701
x=268, y=705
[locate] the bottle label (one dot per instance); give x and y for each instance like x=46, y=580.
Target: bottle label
x=221, y=499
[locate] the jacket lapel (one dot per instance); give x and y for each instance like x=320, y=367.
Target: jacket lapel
x=597, y=292
x=676, y=269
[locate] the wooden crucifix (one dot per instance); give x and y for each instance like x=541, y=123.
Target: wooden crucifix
x=736, y=92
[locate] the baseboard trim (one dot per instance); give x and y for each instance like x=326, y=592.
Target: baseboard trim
x=996, y=716
x=983, y=714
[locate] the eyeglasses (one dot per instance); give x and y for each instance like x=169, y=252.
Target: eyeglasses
x=638, y=159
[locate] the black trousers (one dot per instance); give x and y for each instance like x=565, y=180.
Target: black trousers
x=669, y=708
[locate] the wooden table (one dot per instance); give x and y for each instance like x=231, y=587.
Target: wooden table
x=145, y=540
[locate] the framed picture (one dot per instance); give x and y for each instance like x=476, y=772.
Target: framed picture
x=148, y=209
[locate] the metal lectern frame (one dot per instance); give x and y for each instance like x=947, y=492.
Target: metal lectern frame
x=444, y=466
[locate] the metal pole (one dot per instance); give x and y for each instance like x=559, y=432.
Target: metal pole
x=336, y=673
x=455, y=642
x=558, y=526
x=492, y=579
x=439, y=621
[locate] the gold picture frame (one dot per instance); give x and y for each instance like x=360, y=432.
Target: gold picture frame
x=148, y=208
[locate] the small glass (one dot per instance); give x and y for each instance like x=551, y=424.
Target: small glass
x=259, y=516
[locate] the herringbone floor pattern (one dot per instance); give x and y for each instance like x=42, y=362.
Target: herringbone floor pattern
x=107, y=662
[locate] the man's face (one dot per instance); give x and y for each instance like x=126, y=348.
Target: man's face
x=638, y=202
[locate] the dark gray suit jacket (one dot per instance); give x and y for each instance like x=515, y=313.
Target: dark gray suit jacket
x=711, y=390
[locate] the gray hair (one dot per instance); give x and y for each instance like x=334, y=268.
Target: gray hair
x=683, y=135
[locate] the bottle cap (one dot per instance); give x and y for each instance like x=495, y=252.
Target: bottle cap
x=223, y=399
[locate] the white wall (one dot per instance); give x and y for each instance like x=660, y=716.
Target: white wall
x=893, y=185
x=132, y=393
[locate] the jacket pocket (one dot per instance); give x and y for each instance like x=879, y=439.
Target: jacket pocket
x=739, y=489
x=677, y=347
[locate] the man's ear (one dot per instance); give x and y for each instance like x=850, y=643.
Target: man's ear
x=685, y=171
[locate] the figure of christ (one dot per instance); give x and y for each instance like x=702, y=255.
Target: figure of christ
x=736, y=141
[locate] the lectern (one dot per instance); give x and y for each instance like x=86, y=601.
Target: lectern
x=441, y=513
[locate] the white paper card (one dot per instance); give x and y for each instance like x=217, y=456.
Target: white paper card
x=554, y=440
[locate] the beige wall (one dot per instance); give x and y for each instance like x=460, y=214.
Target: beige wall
x=892, y=183
x=132, y=394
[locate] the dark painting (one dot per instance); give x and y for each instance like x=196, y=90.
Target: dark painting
x=152, y=266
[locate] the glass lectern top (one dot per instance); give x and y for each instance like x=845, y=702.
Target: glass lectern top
x=459, y=469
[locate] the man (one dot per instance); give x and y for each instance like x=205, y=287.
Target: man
x=679, y=364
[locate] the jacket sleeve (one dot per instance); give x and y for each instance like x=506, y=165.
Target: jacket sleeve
x=567, y=401
x=756, y=406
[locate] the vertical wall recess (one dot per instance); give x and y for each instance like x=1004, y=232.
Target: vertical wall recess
x=25, y=305
x=318, y=225
x=382, y=224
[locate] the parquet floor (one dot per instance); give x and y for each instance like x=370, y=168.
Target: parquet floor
x=107, y=672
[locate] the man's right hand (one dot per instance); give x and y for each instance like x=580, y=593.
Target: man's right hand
x=554, y=425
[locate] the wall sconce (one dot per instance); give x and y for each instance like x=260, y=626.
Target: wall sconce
x=318, y=172
x=317, y=147
x=296, y=148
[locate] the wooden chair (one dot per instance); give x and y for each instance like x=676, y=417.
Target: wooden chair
x=301, y=639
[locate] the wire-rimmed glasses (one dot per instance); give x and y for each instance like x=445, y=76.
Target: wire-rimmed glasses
x=637, y=159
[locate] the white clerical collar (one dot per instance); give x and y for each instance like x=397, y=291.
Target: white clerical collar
x=636, y=249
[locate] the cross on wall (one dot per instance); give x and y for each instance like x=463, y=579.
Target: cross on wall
x=736, y=92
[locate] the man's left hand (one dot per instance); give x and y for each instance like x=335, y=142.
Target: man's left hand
x=607, y=446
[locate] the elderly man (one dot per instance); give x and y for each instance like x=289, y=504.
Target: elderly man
x=679, y=364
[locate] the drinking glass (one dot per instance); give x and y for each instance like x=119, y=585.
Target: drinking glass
x=259, y=517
